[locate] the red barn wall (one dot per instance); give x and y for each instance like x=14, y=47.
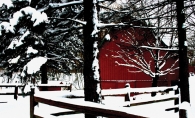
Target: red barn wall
x=115, y=76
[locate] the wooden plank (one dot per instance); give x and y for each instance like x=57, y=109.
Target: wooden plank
x=32, y=102
x=37, y=116
x=11, y=85
x=114, y=92
x=6, y=93
x=45, y=116
x=88, y=107
x=153, y=89
x=52, y=85
x=154, y=101
x=38, y=85
x=172, y=108
x=123, y=91
x=20, y=94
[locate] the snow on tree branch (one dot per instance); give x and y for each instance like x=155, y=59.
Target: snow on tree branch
x=33, y=66
x=14, y=60
x=119, y=11
x=60, y=5
x=16, y=43
x=31, y=50
x=103, y=25
x=145, y=70
x=9, y=3
x=36, y=17
x=139, y=62
x=170, y=69
x=5, y=26
x=78, y=21
x=158, y=48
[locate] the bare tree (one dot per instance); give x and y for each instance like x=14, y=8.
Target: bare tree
x=135, y=47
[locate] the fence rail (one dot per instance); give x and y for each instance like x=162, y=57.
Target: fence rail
x=38, y=85
x=99, y=109
x=94, y=108
x=16, y=86
x=162, y=90
x=83, y=107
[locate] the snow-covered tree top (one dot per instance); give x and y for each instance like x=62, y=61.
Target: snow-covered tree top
x=9, y=3
x=36, y=17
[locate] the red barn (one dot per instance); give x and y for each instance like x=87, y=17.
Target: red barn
x=116, y=76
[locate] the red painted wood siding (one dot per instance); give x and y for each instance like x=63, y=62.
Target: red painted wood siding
x=114, y=76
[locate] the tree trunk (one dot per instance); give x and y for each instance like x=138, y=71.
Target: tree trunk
x=157, y=70
x=44, y=79
x=183, y=60
x=92, y=89
x=154, y=84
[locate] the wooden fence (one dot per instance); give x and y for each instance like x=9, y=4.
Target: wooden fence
x=94, y=108
x=16, y=86
x=83, y=107
x=103, y=110
x=163, y=91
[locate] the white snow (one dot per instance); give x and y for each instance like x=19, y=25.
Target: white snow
x=121, y=1
x=8, y=3
x=20, y=108
x=185, y=105
x=13, y=44
x=16, y=43
x=7, y=27
x=20, y=42
x=36, y=17
x=156, y=48
x=31, y=50
x=34, y=65
x=95, y=20
x=95, y=64
x=107, y=37
x=14, y=60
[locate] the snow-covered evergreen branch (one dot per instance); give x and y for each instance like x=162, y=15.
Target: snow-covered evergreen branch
x=35, y=17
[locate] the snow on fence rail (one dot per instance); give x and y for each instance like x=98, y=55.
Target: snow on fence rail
x=83, y=107
x=103, y=110
x=163, y=91
x=98, y=109
x=122, y=91
x=16, y=92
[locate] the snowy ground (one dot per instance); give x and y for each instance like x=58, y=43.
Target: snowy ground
x=20, y=108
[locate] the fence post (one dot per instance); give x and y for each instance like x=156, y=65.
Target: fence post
x=16, y=93
x=32, y=102
x=127, y=96
x=70, y=87
x=176, y=101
